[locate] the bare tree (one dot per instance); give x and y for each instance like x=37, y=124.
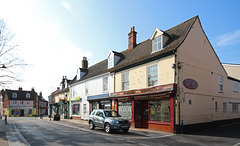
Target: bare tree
x=10, y=62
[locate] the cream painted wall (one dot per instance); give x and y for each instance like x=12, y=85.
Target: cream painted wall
x=199, y=62
x=138, y=74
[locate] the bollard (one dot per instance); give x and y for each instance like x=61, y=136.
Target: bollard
x=5, y=119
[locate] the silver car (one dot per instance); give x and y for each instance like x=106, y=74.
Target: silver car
x=109, y=120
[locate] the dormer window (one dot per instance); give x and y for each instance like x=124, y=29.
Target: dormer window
x=157, y=44
x=110, y=62
x=159, y=39
x=14, y=95
x=27, y=95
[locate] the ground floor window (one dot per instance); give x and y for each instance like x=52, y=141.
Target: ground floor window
x=15, y=111
x=94, y=105
x=234, y=107
x=125, y=109
x=160, y=110
x=76, y=109
x=105, y=105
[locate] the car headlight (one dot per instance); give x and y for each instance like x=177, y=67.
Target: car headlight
x=115, y=122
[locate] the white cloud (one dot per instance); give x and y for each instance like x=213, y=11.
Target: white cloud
x=67, y=6
x=228, y=39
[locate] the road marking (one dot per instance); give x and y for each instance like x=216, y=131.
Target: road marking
x=238, y=144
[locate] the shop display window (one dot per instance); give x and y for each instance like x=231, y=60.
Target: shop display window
x=125, y=110
x=76, y=109
x=160, y=110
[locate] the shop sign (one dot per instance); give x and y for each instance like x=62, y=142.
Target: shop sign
x=190, y=84
x=163, y=88
x=75, y=98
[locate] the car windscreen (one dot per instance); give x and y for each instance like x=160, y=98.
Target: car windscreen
x=111, y=114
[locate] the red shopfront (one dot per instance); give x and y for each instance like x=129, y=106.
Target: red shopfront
x=150, y=108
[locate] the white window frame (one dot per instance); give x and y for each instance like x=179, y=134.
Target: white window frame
x=105, y=84
x=21, y=102
x=28, y=95
x=125, y=82
x=220, y=84
x=14, y=102
x=235, y=86
x=157, y=41
x=151, y=76
x=28, y=103
x=110, y=61
x=14, y=95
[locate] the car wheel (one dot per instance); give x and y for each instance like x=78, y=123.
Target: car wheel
x=107, y=128
x=125, y=130
x=91, y=125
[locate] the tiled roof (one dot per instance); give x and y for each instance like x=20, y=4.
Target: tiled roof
x=21, y=95
x=143, y=51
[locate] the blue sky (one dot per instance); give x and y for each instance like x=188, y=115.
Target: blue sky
x=55, y=34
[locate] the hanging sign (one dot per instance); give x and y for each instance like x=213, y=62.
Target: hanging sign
x=190, y=84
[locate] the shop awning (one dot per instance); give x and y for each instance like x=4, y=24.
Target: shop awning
x=100, y=96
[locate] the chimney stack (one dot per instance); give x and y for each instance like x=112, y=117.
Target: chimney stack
x=132, y=36
x=20, y=88
x=84, y=63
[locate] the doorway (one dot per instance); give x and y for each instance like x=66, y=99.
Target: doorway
x=21, y=112
x=141, y=114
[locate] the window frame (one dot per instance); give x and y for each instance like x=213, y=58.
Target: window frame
x=153, y=65
x=234, y=107
x=157, y=42
x=105, y=84
x=14, y=103
x=224, y=107
x=235, y=86
x=110, y=61
x=28, y=95
x=14, y=95
x=123, y=82
x=220, y=84
x=28, y=103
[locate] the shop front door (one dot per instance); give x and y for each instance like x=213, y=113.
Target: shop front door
x=21, y=112
x=141, y=114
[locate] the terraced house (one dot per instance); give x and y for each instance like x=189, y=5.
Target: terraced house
x=171, y=82
x=23, y=103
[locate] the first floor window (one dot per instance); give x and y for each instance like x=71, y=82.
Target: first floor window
x=28, y=103
x=235, y=86
x=220, y=84
x=105, y=84
x=76, y=109
x=125, y=109
x=160, y=110
x=125, y=81
x=234, y=107
x=152, y=75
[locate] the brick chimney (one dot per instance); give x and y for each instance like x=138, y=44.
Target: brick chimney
x=20, y=88
x=84, y=63
x=132, y=36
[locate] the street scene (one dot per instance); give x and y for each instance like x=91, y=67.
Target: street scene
x=141, y=73
x=36, y=131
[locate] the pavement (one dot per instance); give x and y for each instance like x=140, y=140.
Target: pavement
x=3, y=137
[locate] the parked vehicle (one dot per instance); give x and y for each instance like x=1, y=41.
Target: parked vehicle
x=109, y=120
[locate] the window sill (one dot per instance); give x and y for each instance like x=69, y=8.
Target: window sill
x=220, y=91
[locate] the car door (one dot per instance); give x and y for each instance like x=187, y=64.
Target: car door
x=101, y=119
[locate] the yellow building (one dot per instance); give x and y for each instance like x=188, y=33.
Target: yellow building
x=174, y=81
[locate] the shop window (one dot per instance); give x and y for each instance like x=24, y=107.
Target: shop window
x=152, y=75
x=30, y=111
x=160, y=110
x=94, y=105
x=125, y=109
x=76, y=109
x=125, y=81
